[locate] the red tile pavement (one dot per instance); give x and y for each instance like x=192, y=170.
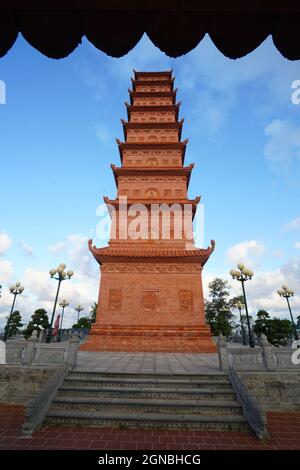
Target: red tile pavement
x=284, y=428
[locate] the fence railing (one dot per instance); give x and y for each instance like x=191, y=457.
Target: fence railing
x=264, y=357
x=32, y=352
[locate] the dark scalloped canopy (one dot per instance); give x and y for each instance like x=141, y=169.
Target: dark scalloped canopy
x=56, y=27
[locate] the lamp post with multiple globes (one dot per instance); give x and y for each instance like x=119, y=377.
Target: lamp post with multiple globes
x=60, y=275
x=63, y=304
x=287, y=293
x=240, y=306
x=243, y=274
x=78, y=309
x=16, y=289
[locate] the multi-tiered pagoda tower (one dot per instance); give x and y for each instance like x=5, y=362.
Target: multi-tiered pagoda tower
x=151, y=296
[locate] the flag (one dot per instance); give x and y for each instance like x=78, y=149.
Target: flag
x=56, y=325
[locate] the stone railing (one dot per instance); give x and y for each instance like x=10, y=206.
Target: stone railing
x=32, y=352
x=264, y=357
x=255, y=416
x=37, y=408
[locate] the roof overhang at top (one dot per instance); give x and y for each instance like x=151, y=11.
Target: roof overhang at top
x=56, y=27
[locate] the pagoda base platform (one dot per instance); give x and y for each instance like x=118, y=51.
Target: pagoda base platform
x=150, y=339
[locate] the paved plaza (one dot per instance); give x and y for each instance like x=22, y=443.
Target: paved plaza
x=284, y=431
x=168, y=363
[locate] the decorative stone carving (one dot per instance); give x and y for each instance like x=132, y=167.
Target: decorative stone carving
x=152, y=161
x=158, y=179
x=151, y=268
x=152, y=192
x=115, y=299
x=150, y=300
x=186, y=300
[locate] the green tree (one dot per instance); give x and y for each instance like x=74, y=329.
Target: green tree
x=86, y=322
x=261, y=323
x=234, y=300
x=83, y=322
x=217, y=309
x=15, y=324
x=277, y=331
x=298, y=322
x=39, y=321
x=93, y=312
x=222, y=325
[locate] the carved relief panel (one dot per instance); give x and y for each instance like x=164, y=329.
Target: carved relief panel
x=115, y=299
x=150, y=78
x=150, y=300
x=186, y=300
x=151, y=88
x=152, y=117
x=149, y=101
x=152, y=135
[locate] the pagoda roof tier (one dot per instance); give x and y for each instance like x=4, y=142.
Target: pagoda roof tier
x=153, y=94
x=152, y=145
x=161, y=109
x=195, y=255
x=149, y=201
x=168, y=82
x=165, y=73
x=153, y=125
x=137, y=171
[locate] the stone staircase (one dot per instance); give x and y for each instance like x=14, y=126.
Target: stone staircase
x=133, y=400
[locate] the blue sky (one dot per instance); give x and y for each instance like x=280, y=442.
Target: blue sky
x=57, y=139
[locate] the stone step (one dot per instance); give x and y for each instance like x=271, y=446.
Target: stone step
x=134, y=405
x=144, y=392
x=148, y=375
x=146, y=420
x=174, y=384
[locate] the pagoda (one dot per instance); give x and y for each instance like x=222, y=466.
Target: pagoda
x=150, y=296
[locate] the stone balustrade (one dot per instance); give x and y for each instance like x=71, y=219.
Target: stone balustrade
x=34, y=353
x=264, y=357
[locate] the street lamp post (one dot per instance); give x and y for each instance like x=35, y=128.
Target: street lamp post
x=62, y=275
x=287, y=293
x=240, y=306
x=15, y=290
x=78, y=309
x=63, y=304
x=243, y=274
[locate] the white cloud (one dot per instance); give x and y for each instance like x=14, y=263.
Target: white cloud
x=246, y=252
x=27, y=249
x=40, y=289
x=6, y=270
x=57, y=248
x=297, y=245
x=293, y=224
x=283, y=145
x=76, y=255
x=5, y=242
x=278, y=253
